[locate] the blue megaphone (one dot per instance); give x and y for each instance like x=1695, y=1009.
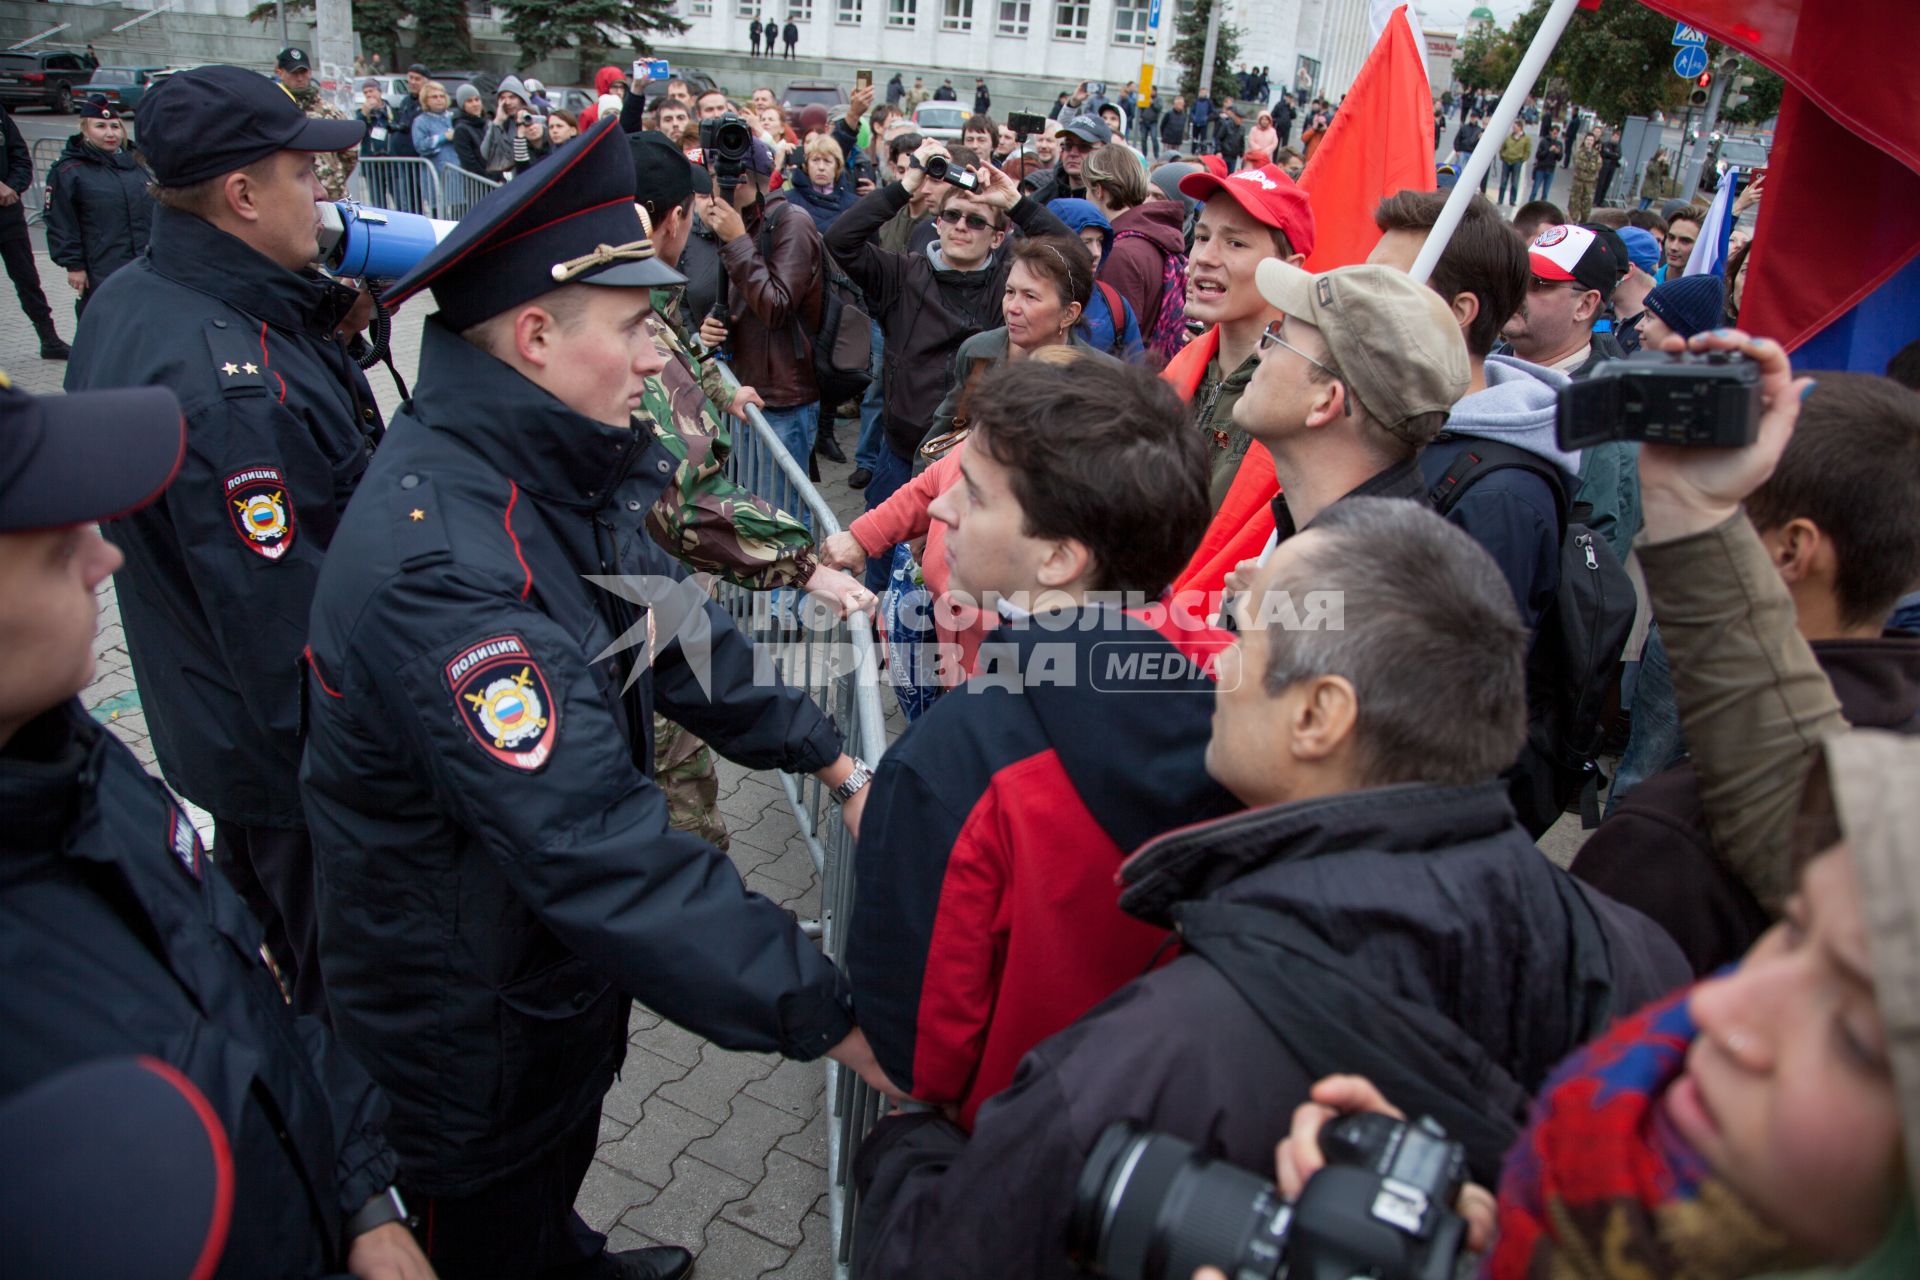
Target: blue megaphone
x=365, y=243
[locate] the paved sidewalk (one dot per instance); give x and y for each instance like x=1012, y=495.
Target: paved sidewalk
x=724, y=1153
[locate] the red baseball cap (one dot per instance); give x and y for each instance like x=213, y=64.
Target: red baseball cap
x=1267, y=193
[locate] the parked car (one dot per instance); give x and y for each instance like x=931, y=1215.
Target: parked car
x=123, y=87
x=570, y=97
x=807, y=93
x=48, y=78
x=942, y=120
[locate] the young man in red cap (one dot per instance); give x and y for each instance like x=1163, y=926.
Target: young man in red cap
x=1245, y=219
x=280, y=424
x=498, y=880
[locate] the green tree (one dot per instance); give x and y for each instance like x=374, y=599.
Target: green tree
x=1190, y=49
x=1486, y=60
x=441, y=33
x=1617, y=60
x=542, y=26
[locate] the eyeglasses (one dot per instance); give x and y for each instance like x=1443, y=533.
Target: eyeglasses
x=1536, y=285
x=953, y=218
x=1271, y=336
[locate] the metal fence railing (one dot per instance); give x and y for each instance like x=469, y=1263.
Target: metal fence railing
x=46, y=154
x=460, y=191
x=406, y=183
x=838, y=665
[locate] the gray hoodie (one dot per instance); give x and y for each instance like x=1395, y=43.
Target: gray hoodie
x=1517, y=408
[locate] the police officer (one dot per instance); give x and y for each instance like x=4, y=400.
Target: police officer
x=497, y=876
x=116, y=935
x=295, y=73
x=280, y=424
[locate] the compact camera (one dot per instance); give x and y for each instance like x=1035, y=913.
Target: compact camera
x=1149, y=1207
x=1709, y=400
x=941, y=169
x=727, y=144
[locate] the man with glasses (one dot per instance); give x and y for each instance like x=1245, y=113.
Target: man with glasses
x=1078, y=138
x=927, y=304
x=1563, y=323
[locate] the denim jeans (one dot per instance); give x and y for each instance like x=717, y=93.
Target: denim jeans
x=889, y=474
x=1654, y=744
x=795, y=427
x=873, y=437
x=1510, y=177
x=1542, y=184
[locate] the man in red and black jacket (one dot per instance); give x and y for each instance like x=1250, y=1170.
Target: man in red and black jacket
x=988, y=916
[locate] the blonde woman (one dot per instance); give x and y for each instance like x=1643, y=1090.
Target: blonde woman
x=433, y=127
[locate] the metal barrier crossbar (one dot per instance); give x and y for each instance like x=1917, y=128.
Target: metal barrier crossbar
x=46, y=154
x=406, y=183
x=838, y=666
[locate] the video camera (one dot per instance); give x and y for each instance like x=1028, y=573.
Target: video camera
x=1148, y=1207
x=726, y=143
x=1709, y=401
x=941, y=169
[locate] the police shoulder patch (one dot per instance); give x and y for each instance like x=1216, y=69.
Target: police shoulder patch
x=261, y=510
x=501, y=696
x=184, y=842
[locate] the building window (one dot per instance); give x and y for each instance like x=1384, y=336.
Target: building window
x=1015, y=17
x=748, y=9
x=902, y=13
x=956, y=15
x=848, y=12
x=1070, y=19
x=800, y=10
x=700, y=8
x=1130, y=22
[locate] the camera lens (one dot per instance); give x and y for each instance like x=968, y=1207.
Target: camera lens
x=733, y=138
x=1148, y=1207
x=937, y=167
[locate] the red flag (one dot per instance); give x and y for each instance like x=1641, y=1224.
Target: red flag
x=1841, y=210
x=1380, y=142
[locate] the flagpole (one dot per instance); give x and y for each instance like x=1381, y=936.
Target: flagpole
x=1481, y=160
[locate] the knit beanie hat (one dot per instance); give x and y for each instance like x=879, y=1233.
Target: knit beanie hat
x=1689, y=305
x=464, y=92
x=1167, y=178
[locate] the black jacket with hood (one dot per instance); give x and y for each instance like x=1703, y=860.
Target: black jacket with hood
x=1431, y=899
x=98, y=210
x=925, y=310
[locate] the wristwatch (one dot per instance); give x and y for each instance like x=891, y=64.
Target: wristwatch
x=850, y=785
x=385, y=1206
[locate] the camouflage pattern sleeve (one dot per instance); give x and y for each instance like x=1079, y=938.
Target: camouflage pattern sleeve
x=702, y=518
x=332, y=167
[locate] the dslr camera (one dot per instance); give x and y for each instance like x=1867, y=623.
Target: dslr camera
x=1148, y=1207
x=941, y=169
x=1707, y=400
x=726, y=143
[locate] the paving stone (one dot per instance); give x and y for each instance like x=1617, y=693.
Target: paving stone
x=794, y=866
x=708, y=1089
x=607, y=1193
x=671, y=1041
x=779, y=1201
x=732, y=1252
x=813, y=1260
x=641, y=1074
x=742, y=1144
x=623, y=1237
x=770, y=833
x=611, y=1130
x=796, y=1087
x=810, y=1144
x=648, y=1150
x=777, y=890
x=680, y=1213
x=640, y=1018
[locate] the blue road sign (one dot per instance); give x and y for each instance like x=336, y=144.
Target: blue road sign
x=1684, y=34
x=1689, y=61
x=1153, y=14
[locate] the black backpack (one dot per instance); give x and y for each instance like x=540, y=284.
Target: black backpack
x=1573, y=670
x=843, y=348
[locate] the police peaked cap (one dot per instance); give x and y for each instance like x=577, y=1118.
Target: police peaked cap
x=567, y=220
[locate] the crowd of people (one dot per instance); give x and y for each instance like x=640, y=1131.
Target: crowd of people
x=1279, y=864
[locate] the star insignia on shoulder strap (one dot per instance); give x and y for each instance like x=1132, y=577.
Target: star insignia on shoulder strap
x=230, y=368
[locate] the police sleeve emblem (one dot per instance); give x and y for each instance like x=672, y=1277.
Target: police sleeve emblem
x=501, y=696
x=261, y=510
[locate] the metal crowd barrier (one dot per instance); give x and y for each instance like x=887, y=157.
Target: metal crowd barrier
x=46, y=154
x=460, y=191
x=839, y=667
x=406, y=183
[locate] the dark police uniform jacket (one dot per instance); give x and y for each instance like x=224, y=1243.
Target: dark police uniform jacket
x=118, y=936
x=220, y=572
x=496, y=872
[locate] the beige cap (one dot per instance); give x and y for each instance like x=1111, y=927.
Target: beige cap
x=1395, y=341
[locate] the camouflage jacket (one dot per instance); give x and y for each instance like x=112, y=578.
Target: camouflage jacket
x=703, y=518
x=333, y=167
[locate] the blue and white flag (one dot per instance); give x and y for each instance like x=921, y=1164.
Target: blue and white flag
x=1710, y=250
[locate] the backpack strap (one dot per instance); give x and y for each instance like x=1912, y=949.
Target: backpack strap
x=1116, y=309
x=1482, y=457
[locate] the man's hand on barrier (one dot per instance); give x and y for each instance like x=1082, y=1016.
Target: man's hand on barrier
x=713, y=334
x=1688, y=490
x=856, y=1055
x=843, y=551
x=745, y=395
x=846, y=593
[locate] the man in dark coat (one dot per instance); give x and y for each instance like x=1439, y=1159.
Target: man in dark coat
x=280, y=424
x=982, y=100
x=753, y=34
x=118, y=935
x=1833, y=519
x=790, y=36
x=16, y=248
x=498, y=878
x=1376, y=909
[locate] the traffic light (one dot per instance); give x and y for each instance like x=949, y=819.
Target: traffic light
x=1698, y=97
x=1739, y=92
